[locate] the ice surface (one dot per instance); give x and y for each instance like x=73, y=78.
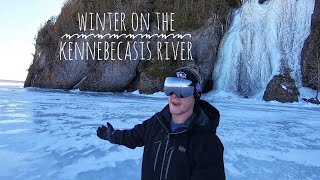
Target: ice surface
x=261, y=38
x=51, y=134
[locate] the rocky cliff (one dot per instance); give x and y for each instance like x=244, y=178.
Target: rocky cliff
x=310, y=56
x=205, y=21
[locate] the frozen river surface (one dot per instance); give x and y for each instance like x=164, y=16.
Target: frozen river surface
x=51, y=134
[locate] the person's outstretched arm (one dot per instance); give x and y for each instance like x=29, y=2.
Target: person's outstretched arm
x=131, y=138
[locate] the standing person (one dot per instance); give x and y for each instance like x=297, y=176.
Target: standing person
x=180, y=141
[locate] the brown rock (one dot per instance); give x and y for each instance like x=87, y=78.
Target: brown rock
x=149, y=85
x=281, y=88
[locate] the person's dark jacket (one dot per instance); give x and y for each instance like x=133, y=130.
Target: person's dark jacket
x=193, y=153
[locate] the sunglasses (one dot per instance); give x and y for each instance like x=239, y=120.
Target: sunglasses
x=178, y=86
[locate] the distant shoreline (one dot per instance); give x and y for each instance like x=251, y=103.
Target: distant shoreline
x=11, y=81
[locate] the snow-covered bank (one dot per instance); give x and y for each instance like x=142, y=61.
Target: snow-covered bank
x=50, y=134
x=11, y=83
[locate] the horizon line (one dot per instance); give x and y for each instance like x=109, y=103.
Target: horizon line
x=11, y=81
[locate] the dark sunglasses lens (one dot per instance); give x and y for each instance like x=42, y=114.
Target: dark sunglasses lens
x=179, y=91
x=186, y=91
x=171, y=90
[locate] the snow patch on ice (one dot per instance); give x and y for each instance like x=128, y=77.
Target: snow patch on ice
x=14, y=131
x=156, y=94
x=13, y=121
x=284, y=87
x=306, y=92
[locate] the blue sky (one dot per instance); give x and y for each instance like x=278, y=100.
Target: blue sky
x=20, y=21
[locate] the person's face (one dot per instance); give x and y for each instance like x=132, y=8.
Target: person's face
x=181, y=106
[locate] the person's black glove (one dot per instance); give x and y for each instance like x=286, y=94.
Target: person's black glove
x=104, y=132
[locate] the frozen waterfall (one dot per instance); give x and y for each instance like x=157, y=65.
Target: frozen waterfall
x=262, y=38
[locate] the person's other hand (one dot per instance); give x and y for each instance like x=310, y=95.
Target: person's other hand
x=104, y=132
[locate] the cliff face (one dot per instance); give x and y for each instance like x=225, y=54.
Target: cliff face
x=205, y=21
x=54, y=74
x=205, y=42
x=310, y=56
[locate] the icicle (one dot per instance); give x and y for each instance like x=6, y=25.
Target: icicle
x=262, y=39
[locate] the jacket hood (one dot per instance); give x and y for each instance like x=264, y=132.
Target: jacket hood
x=206, y=117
